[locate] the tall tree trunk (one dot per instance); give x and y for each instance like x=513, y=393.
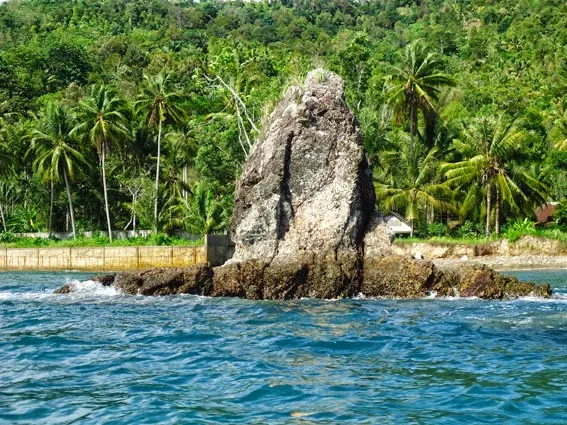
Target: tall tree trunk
x=157, y=178
x=70, y=199
x=134, y=197
x=413, y=125
x=50, y=229
x=497, y=213
x=488, y=208
x=185, y=194
x=3, y=218
x=102, y=162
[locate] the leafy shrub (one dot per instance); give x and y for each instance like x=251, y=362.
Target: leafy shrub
x=437, y=229
x=23, y=220
x=40, y=242
x=469, y=229
x=162, y=239
x=100, y=240
x=519, y=228
x=7, y=237
x=561, y=215
x=526, y=225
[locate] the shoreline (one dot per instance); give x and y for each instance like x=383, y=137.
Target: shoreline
x=505, y=263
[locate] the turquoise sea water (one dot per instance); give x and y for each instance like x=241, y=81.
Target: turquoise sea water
x=97, y=357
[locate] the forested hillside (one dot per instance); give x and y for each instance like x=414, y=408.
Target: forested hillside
x=139, y=114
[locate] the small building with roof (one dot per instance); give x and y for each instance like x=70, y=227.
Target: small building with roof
x=397, y=225
x=545, y=212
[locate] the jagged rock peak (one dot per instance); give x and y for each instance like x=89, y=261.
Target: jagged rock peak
x=306, y=184
x=305, y=195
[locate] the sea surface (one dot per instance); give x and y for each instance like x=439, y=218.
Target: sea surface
x=99, y=357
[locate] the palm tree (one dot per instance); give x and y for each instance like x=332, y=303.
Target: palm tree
x=53, y=143
x=103, y=120
x=406, y=180
x=415, y=86
x=6, y=159
x=160, y=105
x=490, y=147
x=182, y=146
x=8, y=195
x=205, y=214
x=561, y=125
x=6, y=163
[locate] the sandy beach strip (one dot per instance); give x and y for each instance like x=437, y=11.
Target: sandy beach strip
x=518, y=262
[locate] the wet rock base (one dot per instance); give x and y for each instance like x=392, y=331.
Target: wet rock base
x=401, y=277
x=387, y=277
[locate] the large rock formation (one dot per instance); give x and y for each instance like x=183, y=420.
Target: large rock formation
x=304, y=222
x=304, y=199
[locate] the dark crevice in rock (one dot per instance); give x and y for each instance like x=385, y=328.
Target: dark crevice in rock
x=285, y=206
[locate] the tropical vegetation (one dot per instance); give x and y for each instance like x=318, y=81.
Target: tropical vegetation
x=128, y=115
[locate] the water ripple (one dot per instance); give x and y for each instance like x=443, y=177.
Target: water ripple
x=102, y=357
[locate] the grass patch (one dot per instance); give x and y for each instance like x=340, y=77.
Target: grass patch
x=551, y=234
x=444, y=240
x=512, y=234
x=154, y=240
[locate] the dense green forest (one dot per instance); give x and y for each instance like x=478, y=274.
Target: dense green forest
x=138, y=114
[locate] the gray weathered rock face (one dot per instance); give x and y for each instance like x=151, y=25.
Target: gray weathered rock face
x=306, y=195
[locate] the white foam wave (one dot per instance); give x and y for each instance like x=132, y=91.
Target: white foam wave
x=90, y=287
x=80, y=290
x=9, y=296
x=555, y=298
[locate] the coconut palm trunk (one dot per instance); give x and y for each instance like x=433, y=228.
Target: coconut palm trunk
x=157, y=178
x=70, y=199
x=134, y=213
x=497, y=213
x=51, y=209
x=185, y=176
x=3, y=218
x=488, y=208
x=413, y=125
x=102, y=163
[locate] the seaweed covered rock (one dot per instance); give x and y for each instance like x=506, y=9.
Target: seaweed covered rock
x=196, y=280
x=105, y=279
x=398, y=277
x=65, y=289
x=385, y=276
x=404, y=277
x=484, y=282
x=244, y=280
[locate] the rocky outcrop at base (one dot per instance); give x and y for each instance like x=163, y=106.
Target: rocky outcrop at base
x=282, y=281
x=195, y=280
x=385, y=277
x=403, y=277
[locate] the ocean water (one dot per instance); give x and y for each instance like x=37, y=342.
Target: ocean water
x=99, y=357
